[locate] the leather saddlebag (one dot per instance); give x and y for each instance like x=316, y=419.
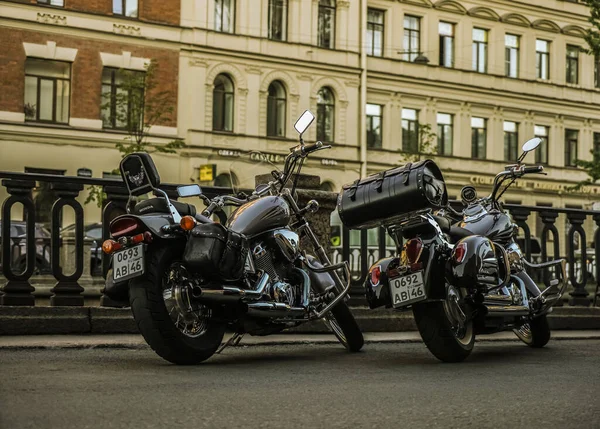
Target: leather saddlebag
x=215, y=252
x=383, y=198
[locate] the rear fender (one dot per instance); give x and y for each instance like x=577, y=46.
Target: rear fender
x=154, y=223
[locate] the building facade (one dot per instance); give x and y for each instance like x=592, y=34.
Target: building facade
x=465, y=82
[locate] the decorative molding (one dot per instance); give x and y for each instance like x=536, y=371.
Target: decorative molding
x=12, y=116
x=343, y=103
x=50, y=51
x=352, y=83
x=573, y=30
x=48, y=18
x=197, y=62
x=124, y=61
x=163, y=131
x=243, y=91
x=515, y=19
x=424, y=3
x=95, y=124
x=546, y=25
x=451, y=6
x=305, y=77
x=294, y=98
x=485, y=13
x=343, y=4
x=339, y=91
x=129, y=30
x=282, y=76
x=253, y=70
x=239, y=78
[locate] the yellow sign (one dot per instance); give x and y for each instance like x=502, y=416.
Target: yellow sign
x=207, y=173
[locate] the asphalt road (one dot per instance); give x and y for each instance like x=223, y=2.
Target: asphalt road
x=502, y=385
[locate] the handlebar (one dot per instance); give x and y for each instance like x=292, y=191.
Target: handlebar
x=534, y=169
x=304, y=150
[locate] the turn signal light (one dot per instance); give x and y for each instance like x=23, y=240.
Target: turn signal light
x=110, y=246
x=187, y=223
x=375, y=275
x=413, y=249
x=460, y=252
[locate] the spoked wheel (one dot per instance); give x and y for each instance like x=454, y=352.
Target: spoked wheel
x=341, y=322
x=176, y=328
x=534, y=332
x=446, y=327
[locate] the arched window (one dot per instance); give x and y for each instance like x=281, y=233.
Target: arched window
x=276, y=110
x=325, y=114
x=223, y=103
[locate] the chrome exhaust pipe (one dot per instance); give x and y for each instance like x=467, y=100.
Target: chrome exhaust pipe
x=274, y=309
x=506, y=311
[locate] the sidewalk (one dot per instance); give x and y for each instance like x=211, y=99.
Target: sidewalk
x=127, y=341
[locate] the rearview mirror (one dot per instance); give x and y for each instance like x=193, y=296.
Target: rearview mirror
x=304, y=122
x=189, y=191
x=531, y=144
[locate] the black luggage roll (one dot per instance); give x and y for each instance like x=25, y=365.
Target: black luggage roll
x=383, y=198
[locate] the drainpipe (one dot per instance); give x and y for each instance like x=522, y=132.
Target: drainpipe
x=362, y=123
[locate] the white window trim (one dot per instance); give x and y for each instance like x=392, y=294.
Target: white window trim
x=50, y=51
x=124, y=61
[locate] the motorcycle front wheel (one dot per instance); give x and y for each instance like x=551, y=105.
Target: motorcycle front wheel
x=446, y=327
x=535, y=332
x=343, y=325
x=180, y=335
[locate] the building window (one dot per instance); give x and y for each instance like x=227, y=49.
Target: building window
x=122, y=98
x=597, y=72
x=59, y=3
x=541, y=154
x=478, y=137
x=326, y=37
x=224, y=15
x=511, y=43
x=572, y=64
x=278, y=19
x=412, y=37
x=276, y=103
x=410, y=130
x=542, y=59
x=446, y=31
x=596, y=144
x=375, y=32
x=511, y=141
x=374, y=124
x=325, y=115
x=127, y=8
x=445, y=124
x=47, y=90
x=223, y=103
x=480, y=40
x=571, y=137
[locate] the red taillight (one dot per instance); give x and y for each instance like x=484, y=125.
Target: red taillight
x=375, y=275
x=460, y=252
x=413, y=250
x=124, y=226
x=145, y=237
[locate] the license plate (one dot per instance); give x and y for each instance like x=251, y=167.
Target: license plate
x=128, y=263
x=407, y=289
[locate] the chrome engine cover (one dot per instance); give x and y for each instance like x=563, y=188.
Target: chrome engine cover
x=515, y=257
x=288, y=242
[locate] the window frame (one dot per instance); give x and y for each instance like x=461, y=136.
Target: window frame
x=369, y=119
x=571, y=144
x=411, y=128
x=544, y=146
x=375, y=27
x=277, y=100
x=410, y=55
x=324, y=109
x=442, y=45
x=54, y=94
x=123, y=14
x=508, y=51
x=476, y=50
x=511, y=142
x=333, y=10
x=542, y=56
x=444, y=130
x=572, y=64
x=284, y=19
x=224, y=105
x=475, y=137
x=232, y=6
x=113, y=91
x=49, y=3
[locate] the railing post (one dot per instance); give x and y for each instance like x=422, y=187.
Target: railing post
x=67, y=291
x=18, y=290
x=549, y=220
x=597, y=257
x=579, y=296
x=520, y=216
x=117, y=197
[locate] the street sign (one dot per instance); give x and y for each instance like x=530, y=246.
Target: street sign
x=207, y=172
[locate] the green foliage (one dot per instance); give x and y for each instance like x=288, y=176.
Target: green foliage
x=135, y=107
x=427, y=144
x=593, y=34
x=592, y=168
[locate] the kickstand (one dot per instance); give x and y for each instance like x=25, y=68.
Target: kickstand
x=233, y=341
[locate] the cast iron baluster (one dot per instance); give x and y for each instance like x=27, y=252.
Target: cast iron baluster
x=597, y=257
x=520, y=215
x=18, y=290
x=117, y=197
x=67, y=291
x=381, y=240
x=579, y=294
x=346, y=244
x=549, y=220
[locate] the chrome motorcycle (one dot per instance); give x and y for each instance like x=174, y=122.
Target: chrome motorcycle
x=191, y=278
x=463, y=274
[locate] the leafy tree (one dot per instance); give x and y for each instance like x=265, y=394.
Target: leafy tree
x=135, y=107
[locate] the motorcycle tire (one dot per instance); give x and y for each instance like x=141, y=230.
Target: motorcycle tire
x=535, y=333
x=153, y=319
x=439, y=335
x=343, y=325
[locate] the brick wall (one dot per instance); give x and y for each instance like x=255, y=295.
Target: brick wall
x=86, y=72
x=94, y=6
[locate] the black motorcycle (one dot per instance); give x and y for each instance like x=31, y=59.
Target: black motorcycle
x=190, y=278
x=462, y=273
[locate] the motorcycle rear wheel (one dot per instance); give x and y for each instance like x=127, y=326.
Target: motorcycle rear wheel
x=155, y=322
x=445, y=336
x=343, y=325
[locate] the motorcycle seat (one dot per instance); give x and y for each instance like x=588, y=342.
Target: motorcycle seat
x=159, y=205
x=455, y=232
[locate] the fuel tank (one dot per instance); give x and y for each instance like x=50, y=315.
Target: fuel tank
x=259, y=216
x=494, y=224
